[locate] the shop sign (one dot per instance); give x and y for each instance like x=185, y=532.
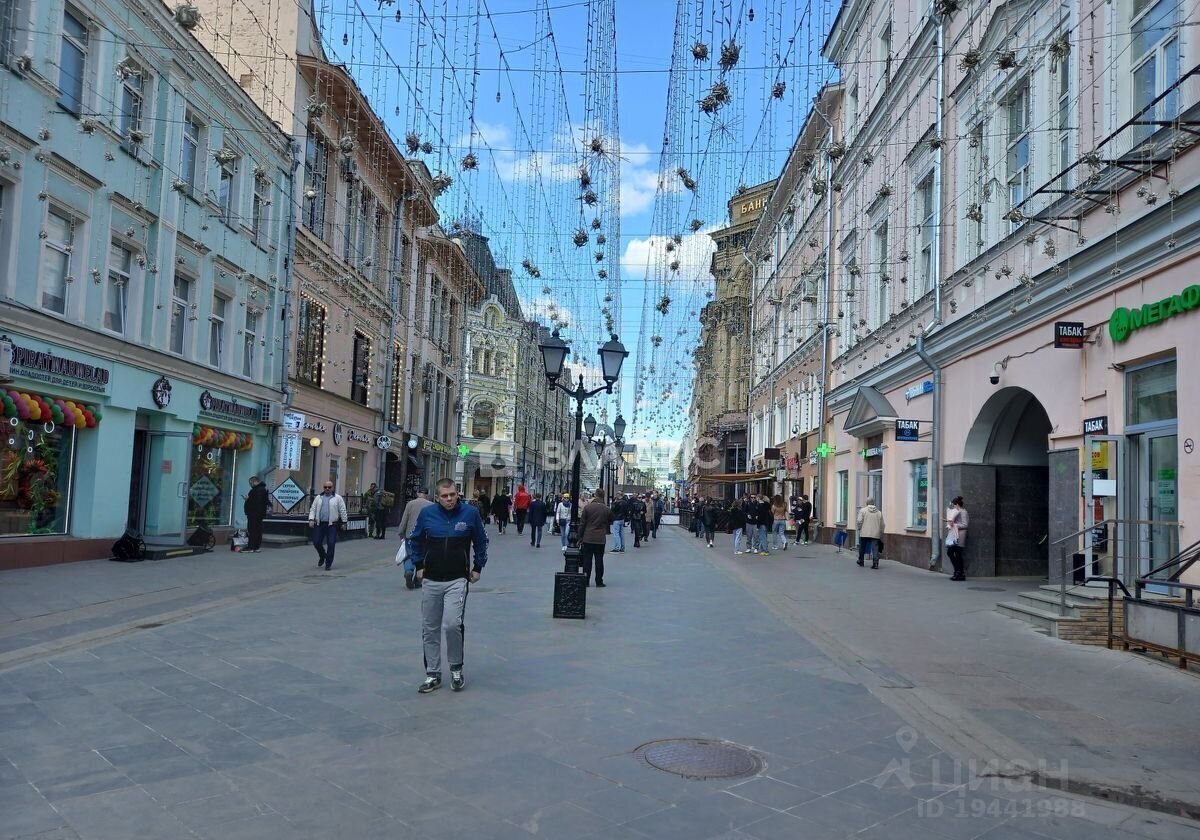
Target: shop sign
x=315, y=426
x=293, y=421
x=909, y=430
x=1124, y=322
x=383, y=442
x=230, y=411
x=203, y=491
x=289, y=451
x=1070, y=334
x=356, y=436
x=915, y=391
x=435, y=447
x=46, y=367
x=413, y=442
x=288, y=494
x=1096, y=426
x=337, y=434
x=872, y=452
x=160, y=392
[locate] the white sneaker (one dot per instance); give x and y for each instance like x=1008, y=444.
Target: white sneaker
x=738, y=552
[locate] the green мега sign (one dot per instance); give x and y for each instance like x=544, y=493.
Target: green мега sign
x=1124, y=322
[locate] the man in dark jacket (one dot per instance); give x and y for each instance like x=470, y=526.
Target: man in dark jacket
x=659, y=507
x=637, y=519
x=594, y=521
x=501, y=505
x=618, y=527
x=255, y=507
x=535, y=517
x=803, y=518
x=440, y=545
x=763, y=519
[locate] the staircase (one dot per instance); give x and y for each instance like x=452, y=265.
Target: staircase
x=1085, y=621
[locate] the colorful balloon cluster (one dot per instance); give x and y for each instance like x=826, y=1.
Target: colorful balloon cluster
x=38, y=409
x=221, y=438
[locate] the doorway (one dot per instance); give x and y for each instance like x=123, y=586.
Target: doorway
x=159, y=486
x=1156, y=456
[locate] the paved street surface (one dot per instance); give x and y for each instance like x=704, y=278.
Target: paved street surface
x=276, y=701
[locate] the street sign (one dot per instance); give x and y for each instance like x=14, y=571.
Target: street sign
x=908, y=430
x=289, y=451
x=288, y=494
x=293, y=421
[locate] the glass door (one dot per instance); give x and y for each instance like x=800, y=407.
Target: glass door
x=167, y=461
x=1159, y=499
x=1102, y=479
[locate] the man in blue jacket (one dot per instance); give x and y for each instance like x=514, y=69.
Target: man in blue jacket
x=440, y=548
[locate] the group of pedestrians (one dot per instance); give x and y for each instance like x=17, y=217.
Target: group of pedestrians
x=641, y=514
x=759, y=523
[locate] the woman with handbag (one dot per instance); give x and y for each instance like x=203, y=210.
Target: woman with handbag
x=956, y=536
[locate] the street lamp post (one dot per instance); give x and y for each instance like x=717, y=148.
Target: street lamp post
x=569, y=592
x=602, y=442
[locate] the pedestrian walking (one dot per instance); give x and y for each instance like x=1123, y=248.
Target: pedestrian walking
x=483, y=504
x=737, y=525
x=648, y=518
x=326, y=517
x=956, y=536
x=620, y=514
x=379, y=511
x=408, y=521
x=637, y=518
x=594, y=522
x=708, y=519
x=762, y=521
x=501, y=507
x=368, y=507
x=562, y=515
x=779, y=522
x=870, y=533
x=255, y=507
x=441, y=545
x=521, y=502
x=659, y=508
x=536, y=518
x=803, y=518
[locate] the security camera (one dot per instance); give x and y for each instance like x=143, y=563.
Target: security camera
x=996, y=368
x=994, y=379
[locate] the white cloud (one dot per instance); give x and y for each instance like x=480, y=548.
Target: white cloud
x=545, y=308
x=694, y=255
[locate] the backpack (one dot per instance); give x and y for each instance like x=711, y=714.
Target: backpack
x=128, y=548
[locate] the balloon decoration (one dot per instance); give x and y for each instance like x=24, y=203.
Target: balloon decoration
x=39, y=409
x=221, y=438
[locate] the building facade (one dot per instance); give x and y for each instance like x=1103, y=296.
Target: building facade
x=1009, y=280
x=143, y=234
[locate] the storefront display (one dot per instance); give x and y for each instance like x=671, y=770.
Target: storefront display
x=213, y=475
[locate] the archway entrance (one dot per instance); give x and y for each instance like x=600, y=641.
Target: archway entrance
x=1004, y=479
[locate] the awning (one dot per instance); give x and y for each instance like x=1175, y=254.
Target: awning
x=734, y=478
x=870, y=413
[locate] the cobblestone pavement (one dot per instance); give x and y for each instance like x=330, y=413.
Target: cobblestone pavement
x=276, y=701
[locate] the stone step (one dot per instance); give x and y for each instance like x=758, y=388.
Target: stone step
x=1049, y=601
x=1047, y=620
x=282, y=540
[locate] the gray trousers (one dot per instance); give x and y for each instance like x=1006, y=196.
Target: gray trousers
x=443, y=603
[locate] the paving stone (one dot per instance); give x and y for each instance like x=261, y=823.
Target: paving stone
x=772, y=793
x=120, y=815
x=25, y=812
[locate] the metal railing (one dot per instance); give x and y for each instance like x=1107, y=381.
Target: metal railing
x=1127, y=538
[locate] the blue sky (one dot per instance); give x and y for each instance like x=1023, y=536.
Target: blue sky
x=503, y=80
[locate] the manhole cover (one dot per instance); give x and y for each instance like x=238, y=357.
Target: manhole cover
x=697, y=758
x=987, y=588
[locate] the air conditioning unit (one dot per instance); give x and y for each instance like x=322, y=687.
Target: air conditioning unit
x=270, y=412
x=5, y=359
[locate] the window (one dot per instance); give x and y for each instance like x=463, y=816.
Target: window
x=35, y=488
x=181, y=302
x=882, y=300
x=885, y=50
x=1017, y=137
x=55, y=273
x=250, y=342
x=216, y=331
x=925, y=256
x=227, y=190
x=918, y=472
x=116, y=291
x=133, y=102
x=1155, y=53
x=977, y=179
x=356, y=460
x=851, y=109
x=348, y=226
x=316, y=167
x=1151, y=394
x=189, y=152
x=1062, y=114
x=843, y=496
x=360, y=369
x=310, y=342
x=258, y=210
x=364, y=227
x=483, y=420
x=8, y=30
x=72, y=61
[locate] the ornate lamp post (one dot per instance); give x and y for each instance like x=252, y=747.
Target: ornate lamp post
x=568, y=586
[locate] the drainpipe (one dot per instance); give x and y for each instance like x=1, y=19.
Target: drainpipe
x=935, y=460
x=819, y=490
x=288, y=259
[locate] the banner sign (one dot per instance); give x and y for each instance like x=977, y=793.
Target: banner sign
x=909, y=430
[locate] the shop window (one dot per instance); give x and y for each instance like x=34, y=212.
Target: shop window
x=35, y=477
x=310, y=342
x=212, y=488
x=843, y=496
x=356, y=460
x=1151, y=394
x=918, y=472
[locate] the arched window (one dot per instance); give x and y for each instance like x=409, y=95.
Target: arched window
x=486, y=368
x=491, y=318
x=483, y=420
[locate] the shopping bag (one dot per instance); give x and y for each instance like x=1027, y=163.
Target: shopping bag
x=402, y=553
